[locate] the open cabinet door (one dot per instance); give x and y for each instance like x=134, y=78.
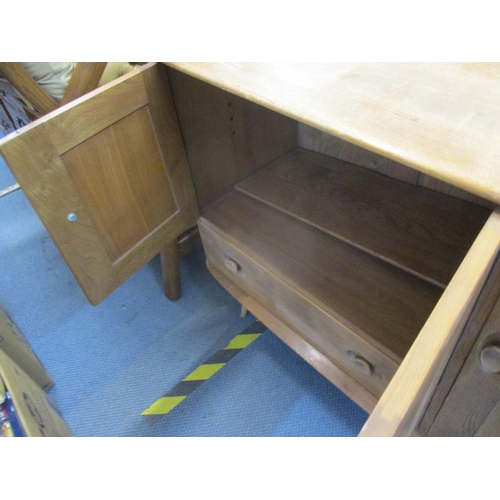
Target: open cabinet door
x=109, y=178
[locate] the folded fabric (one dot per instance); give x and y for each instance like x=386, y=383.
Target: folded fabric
x=54, y=77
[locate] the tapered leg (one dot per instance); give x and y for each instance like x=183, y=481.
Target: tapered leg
x=170, y=268
x=244, y=311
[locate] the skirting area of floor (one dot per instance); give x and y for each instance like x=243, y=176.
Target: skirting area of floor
x=113, y=361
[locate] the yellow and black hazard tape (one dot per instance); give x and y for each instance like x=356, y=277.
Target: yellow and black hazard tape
x=182, y=390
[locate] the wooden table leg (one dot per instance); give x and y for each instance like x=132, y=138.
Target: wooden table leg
x=170, y=268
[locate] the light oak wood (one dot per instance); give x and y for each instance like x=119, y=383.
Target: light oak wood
x=349, y=314
x=418, y=230
x=439, y=118
x=405, y=399
x=321, y=142
x=115, y=160
x=226, y=137
x=22, y=81
x=389, y=109
x=472, y=399
x=85, y=77
x=292, y=339
x=443, y=187
x=480, y=314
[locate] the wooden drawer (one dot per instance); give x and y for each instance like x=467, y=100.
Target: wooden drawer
x=354, y=355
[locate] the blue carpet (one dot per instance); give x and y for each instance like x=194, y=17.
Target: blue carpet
x=113, y=361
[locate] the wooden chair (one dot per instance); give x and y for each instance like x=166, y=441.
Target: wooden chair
x=85, y=78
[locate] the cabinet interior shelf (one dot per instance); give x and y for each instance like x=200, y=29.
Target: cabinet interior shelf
x=419, y=230
x=372, y=252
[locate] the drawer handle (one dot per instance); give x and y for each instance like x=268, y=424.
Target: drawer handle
x=361, y=363
x=490, y=358
x=232, y=265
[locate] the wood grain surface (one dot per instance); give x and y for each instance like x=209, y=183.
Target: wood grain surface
x=375, y=299
x=445, y=188
x=403, y=403
x=115, y=160
x=85, y=78
x=442, y=119
x=321, y=330
x=418, y=230
x=475, y=394
x=491, y=425
x=124, y=151
x=50, y=190
x=23, y=82
x=88, y=115
x=293, y=339
x=165, y=121
x=226, y=137
x=321, y=142
x=480, y=314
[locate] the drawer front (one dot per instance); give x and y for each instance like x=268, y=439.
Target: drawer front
x=354, y=355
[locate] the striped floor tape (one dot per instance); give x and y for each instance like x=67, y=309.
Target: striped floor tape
x=182, y=390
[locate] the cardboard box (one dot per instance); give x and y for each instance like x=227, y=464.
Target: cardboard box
x=13, y=343
x=35, y=410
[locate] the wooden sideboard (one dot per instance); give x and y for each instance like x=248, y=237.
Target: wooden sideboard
x=350, y=207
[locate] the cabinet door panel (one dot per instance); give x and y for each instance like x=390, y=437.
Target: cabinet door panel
x=472, y=405
x=114, y=163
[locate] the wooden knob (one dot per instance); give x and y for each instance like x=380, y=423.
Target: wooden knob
x=232, y=265
x=361, y=363
x=490, y=358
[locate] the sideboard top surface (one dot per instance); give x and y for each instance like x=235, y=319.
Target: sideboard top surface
x=442, y=119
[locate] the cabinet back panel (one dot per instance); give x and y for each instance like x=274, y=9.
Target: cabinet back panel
x=321, y=142
x=226, y=137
